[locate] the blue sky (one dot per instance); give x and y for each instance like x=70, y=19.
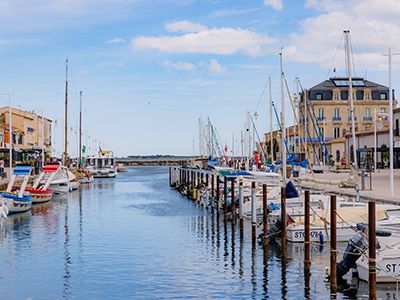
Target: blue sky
x=150, y=69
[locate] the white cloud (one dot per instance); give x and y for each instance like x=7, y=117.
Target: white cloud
x=275, y=4
x=374, y=27
x=185, y=26
x=116, y=41
x=215, y=67
x=184, y=66
x=211, y=65
x=221, y=41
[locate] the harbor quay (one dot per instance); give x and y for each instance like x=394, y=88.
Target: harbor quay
x=304, y=216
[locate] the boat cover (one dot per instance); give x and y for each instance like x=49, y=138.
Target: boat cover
x=291, y=191
x=51, y=168
x=22, y=170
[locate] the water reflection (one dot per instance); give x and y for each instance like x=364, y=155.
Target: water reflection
x=134, y=237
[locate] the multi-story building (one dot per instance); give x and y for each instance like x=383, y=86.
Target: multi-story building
x=328, y=115
x=30, y=132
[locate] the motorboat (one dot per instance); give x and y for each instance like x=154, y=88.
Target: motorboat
x=103, y=165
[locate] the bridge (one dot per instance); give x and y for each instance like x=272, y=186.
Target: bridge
x=156, y=160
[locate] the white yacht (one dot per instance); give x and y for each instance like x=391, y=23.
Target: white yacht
x=103, y=165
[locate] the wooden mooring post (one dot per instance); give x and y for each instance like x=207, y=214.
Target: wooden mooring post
x=307, y=261
x=283, y=214
x=253, y=212
x=265, y=215
x=233, y=210
x=217, y=195
x=241, y=204
x=333, y=245
x=372, y=249
x=225, y=196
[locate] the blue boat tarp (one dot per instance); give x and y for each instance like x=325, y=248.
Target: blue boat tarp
x=291, y=191
x=212, y=163
x=15, y=197
x=237, y=174
x=22, y=170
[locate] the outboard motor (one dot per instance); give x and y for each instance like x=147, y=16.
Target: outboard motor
x=351, y=254
x=354, y=249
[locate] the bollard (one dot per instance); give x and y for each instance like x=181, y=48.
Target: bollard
x=372, y=249
x=253, y=210
x=265, y=215
x=307, y=261
x=333, y=245
x=283, y=214
x=362, y=180
x=233, y=212
x=241, y=203
x=217, y=194
x=225, y=196
x=212, y=186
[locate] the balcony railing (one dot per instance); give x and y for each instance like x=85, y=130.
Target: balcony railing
x=336, y=118
x=320, y=118
x=349, y=118
x=368, y=118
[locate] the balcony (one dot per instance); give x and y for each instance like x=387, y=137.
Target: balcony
x=320, y=119
x=349, y=119
x=336, y=119
x=367, y=119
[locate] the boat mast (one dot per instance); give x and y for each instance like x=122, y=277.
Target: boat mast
x=11, y=136
x=270, y=120
x=66, y=116
x=43, y=154
x=391, y=158
x=283, y=123
x=80, y=129
x=350, y=97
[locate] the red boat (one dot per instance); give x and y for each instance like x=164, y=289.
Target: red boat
x=39, y=196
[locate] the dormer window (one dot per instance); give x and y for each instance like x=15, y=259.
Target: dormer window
x=318, y=96
x=382, y=96
x=367, y=95
x=336, y=95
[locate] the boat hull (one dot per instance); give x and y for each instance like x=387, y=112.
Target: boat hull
x=109, y=174
x=16, y=204
x=60, y=188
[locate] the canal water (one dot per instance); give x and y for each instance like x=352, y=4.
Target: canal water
x=135, y=238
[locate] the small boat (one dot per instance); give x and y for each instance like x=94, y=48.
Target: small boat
x=387, y=255
x=102, y=166
x=85, y=176
x=17, y=202
x=121, y=168
x=73, y=181
x=56, y=178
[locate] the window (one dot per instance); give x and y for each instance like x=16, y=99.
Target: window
x=322, y=132
x=336, y=132
x=383, y=110
x=20, y=139
x=318, y=96
x=367, y=95
x=382, y=96
x=14, y=138
x=337, y=155
x=396, y=128
x=336, y=113
x=355, y=82
x=336, y=95
x=367, y=112
x=321, y=114
x=29, y=129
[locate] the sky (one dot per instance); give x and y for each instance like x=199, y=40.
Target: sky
x=149, y=69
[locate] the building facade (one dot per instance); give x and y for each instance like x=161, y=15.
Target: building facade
x=30, y=132
x=324, y=114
